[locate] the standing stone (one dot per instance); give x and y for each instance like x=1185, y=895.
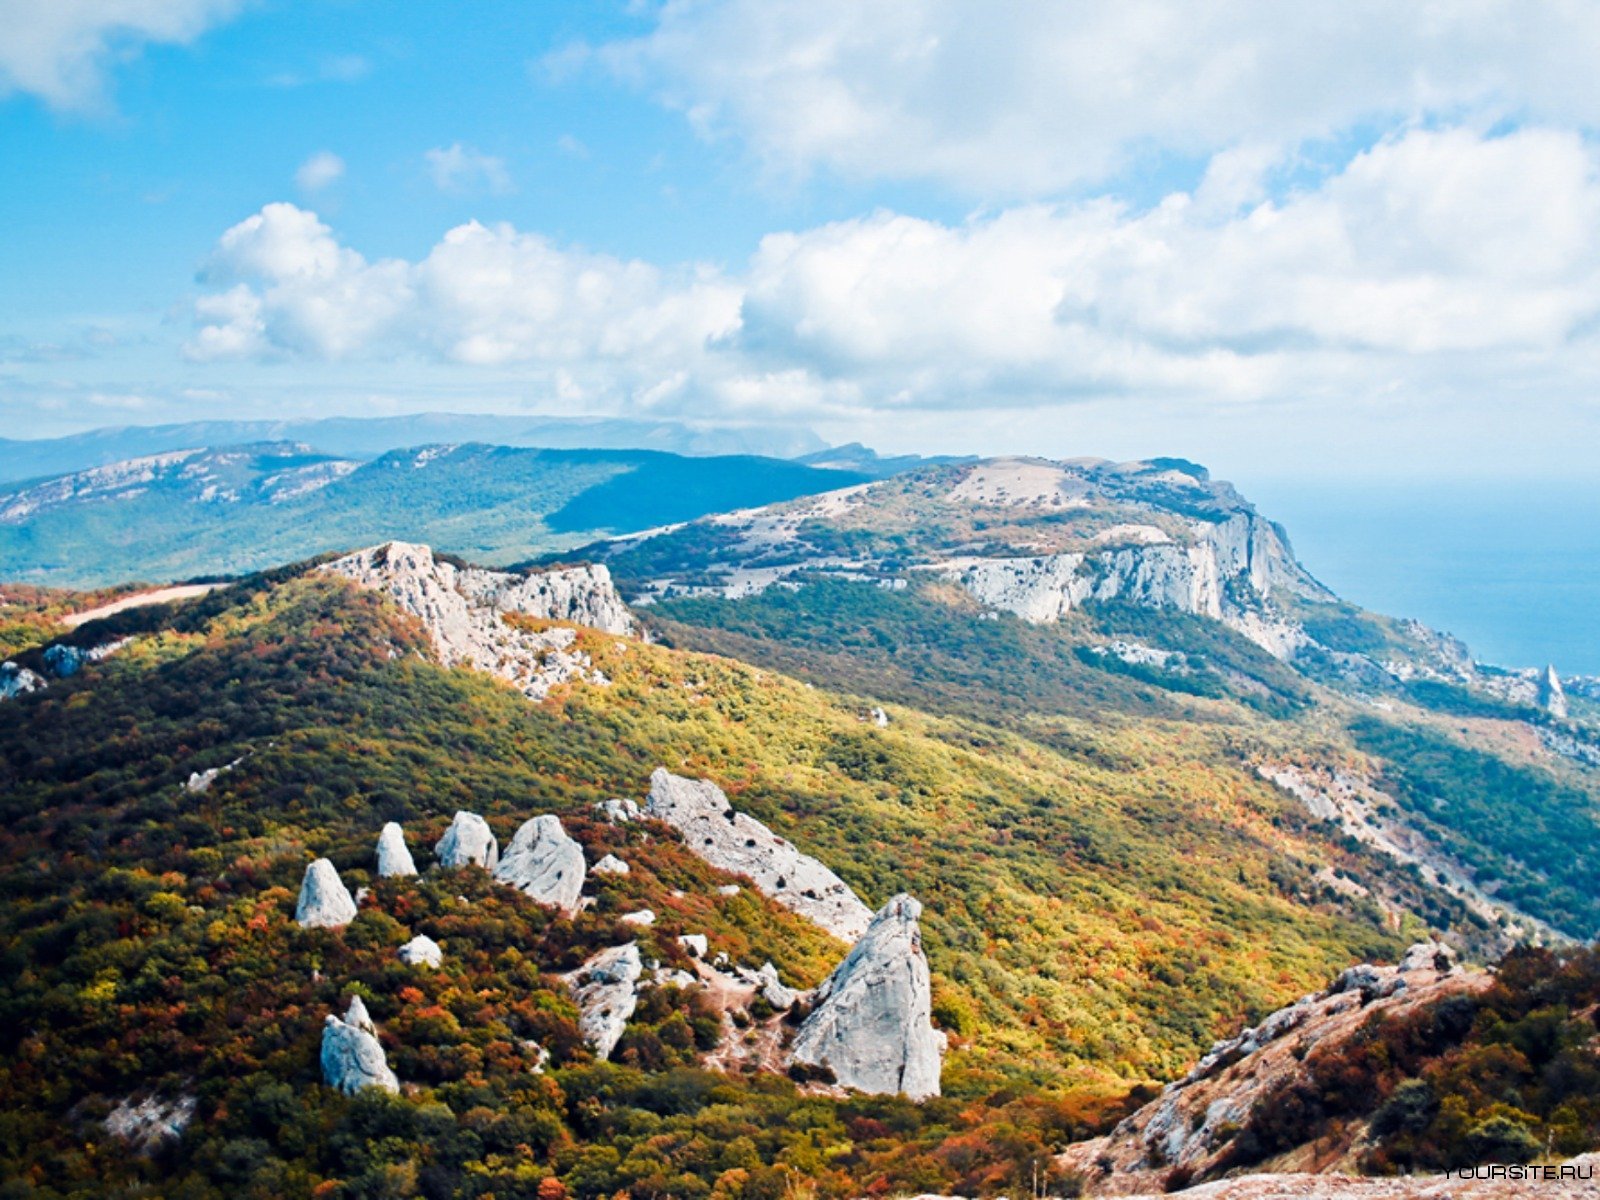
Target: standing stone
x=872, y=1025
x=1552, y=697
x=468, y=843
x=325, y=903
x=352, y=1056
x=394, y=858
x=742, y=845
x=606, y=989
x=545, y=863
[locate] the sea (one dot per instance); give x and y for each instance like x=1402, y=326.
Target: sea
x=1513, y=569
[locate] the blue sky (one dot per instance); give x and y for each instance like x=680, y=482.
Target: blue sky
x=1323, y=238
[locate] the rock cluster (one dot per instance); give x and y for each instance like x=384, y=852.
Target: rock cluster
x=872, y=1022
x=463, y=609
x=394, y=858
x=149, y=1124
x=352, y=1056
x=325, y=902
x=607, y=991
x=742, y=845
x=545, y=863
x=468, y=842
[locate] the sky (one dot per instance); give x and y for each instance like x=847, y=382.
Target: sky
x=1352, y=239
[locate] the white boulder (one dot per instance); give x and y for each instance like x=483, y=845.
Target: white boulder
x=545, y=863
x=394, y=858
x=469, y=842
x=352, y=1056
x=643, y=918
x=325, y=903
x=421, y=951
x=872, y=1025
x=1428, y=956
x=607, y=991
x=611, y=865
x=695, y=943
x=742, y=845
x=619, y=812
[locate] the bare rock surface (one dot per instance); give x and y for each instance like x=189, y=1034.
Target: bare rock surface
x=742, y=845
x=607, y=991
x=463, y=610
x=394, y=857
x=872, y=1022
x=1189, y=1128
x=545, y=863
x=421, y=951
x=611, y=865
x=148, y=1124
x=325, y=902
x=352, y=1056
x=468, y=842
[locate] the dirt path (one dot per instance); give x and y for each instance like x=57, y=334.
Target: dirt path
x=159, y=596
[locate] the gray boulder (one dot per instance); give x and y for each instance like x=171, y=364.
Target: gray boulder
x=1428, y=956
x=468, y=842
x=394, y=857
x=611, y=865
x=872, y=1026
x=607, y=991
x=619, y=812
x=545, y=863
x=742, y=845
x=325, y=903
x=352, y=1056
x=421, y=951
x=17, y=681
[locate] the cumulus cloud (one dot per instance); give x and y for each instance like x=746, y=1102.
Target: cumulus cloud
x=1028, y=99
x=59, y=50
x=458, y=168
x=1431, y=257
x=319, y=171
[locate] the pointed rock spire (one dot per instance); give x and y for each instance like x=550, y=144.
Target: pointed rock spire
x=545, y=863
x=394, y=858
x=325, y=903
x=468, y=842
x=352, y=1056
x=872, y=1025
x=1552, y=697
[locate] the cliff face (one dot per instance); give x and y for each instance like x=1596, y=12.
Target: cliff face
x=463, y=611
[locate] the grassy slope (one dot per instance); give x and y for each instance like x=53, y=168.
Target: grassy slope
x=1091, y=915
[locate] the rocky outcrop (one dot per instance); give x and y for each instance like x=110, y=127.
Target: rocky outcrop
x=695, y=943
x=742, y=845
x=352, y=1056
x=606, y=989
x=18, y=681
x=325, y=903
x=1550, y=697
x=394, y=858
x=468, y=843
x=545, y=863
x=149, y=1124
x=619, y=812
x=643, y=918
x=421, y=951
x=1186, y=1132
x=463, y=610
x=611, y=865
x=872, y=1022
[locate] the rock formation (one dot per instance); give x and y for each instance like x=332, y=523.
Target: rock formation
x=643, y=918
x=421, y=951
x=463, y=608
x=325, y=903
x=607, y=991
x=352, y=1056
x=742, y=845
x=619, y=812
x=18, y=681
x=1428, y=956
x=872, y=1024
x=1551, y=697
x=149, y=1124
x=695, y=943
x=545, y=863
x=468, y=842
x=611, y=865
x=394, y=858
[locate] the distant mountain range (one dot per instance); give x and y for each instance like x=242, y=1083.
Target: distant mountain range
x=366, y=437
x=181, y=514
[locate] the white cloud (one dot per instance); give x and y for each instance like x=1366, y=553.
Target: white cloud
x=459, y=168
x=1017, y=100
x=1434, y=262
x=59, y=50
x=319, y=171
